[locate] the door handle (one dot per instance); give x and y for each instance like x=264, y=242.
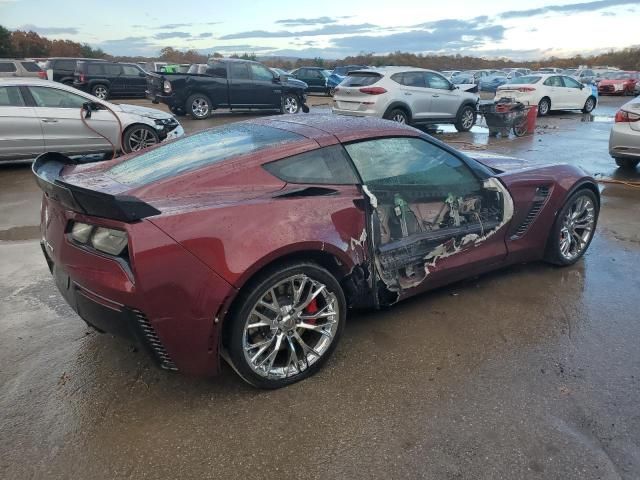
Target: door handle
x=435, y=96
x=407, y=93
x=49, y=120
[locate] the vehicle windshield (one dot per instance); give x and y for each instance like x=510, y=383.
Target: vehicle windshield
x=460, y=79
x=524, y=80
x=196, y=151
x=619, y=76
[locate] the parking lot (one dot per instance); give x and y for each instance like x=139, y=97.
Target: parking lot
x=529, y=372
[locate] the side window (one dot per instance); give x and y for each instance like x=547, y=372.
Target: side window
x=554, y=82
x=218, y=70
x=30, y=66
x=437, y=81
x=410, y=161
x=570, y=82
x=239, y=71
x=328, y=165
x=315, y=74
x=95, y=69
x=261, y=73
x=54, y=98
x=66, y=65
x=130, y=70
x=112, y=69
x=11, y=97
x=413, y=79
x=7, y=67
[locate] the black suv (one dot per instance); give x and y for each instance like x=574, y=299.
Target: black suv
x=110, y=80
x=64, y=67
x=315, y=77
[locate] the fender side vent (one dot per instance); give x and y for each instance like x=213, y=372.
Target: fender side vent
x=540, y=198
x=153, y=341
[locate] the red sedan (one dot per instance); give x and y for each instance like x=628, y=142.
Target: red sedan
x=251, y=241
x=619, y=83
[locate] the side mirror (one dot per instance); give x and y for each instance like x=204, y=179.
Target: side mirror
x=142, y=74
x=89, y=107
x=452, y=86
x=282, y=78
x=581, y=86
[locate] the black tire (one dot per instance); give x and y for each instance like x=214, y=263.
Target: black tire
x=290, y=104
x=249, y=298
x=332, y=91
x=100, y=91
x=589, y=105
x=398, y=115
x=68, y=83
x=553, y=253
x=466, y=118
x=198, y=106
x=138, y=137
x=627, y=163
x=544, y=107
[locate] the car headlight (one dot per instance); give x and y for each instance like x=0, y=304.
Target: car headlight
x=166, y=86
x=165, y=121
x=107, y=240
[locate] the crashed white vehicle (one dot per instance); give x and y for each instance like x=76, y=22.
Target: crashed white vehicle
x=624, y=140
x=38, y=116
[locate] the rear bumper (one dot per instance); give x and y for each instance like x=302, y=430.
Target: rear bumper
x=624, y=142
x=356, y=113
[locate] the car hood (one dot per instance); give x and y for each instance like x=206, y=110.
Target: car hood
x=613, y=82
x=144, y=111
x=501, y=163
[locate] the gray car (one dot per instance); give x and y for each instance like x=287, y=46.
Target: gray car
x=38, y=116
x=20, y=68
x=624, y=140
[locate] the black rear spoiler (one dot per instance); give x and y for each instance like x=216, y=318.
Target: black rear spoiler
x=125, y=208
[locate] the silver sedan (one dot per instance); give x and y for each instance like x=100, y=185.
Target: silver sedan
x=624, y=140
x=38, y=116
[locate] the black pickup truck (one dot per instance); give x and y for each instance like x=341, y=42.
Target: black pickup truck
x=226, y=83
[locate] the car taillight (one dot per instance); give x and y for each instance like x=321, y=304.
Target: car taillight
x=42, y=74
x=626, y=117
x=167, y=86
x=526, y=89
x=82, y=77
x=373, y=90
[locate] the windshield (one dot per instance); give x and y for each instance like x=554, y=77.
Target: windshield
x=524, y=80
x=459, y=79
x=197, y=151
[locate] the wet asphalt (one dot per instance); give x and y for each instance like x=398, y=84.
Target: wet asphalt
x=532, y=372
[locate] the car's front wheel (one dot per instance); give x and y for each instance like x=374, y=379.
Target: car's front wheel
x=199, y=106
x=629, y=163
x=286, y=325
x=290, y=104
x=466, y=119
x=573, y=229
x=589, y=105
x=139, y=137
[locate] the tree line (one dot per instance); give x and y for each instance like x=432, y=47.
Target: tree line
x=23, y=44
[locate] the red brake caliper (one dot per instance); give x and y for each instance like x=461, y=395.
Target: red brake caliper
x=311, y=309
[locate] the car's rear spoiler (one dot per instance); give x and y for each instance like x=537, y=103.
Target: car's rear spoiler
x=47, y=168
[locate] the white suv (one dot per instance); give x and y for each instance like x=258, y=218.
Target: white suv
x=406, y=95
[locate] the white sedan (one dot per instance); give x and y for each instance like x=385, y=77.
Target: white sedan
x=624, y=141
x=38, y=116
x=549, y=92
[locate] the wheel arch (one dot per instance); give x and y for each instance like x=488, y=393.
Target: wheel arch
x=400, y=105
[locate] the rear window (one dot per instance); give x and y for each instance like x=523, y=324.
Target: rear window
x=360, y=79
x=197, y=151
x=525, y=80
x=30, y=66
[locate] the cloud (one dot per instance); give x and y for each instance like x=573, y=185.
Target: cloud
x=129, y=46
x=297, y=22
x=205, y=35
x=570, y=8
x=171, y=26
x=325, y=30
x=166, y=35
x=236, y=48
x=50, y=30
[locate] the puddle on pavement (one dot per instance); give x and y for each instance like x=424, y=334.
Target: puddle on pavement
x=20, y=233
x=597, y=118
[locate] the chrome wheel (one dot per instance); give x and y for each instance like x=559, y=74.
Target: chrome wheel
x=589, y=105
x=290, y=327
x=468, y=119
x=543, y=107
x=399, y=117
x=290, y=104
x=100, y=92
x=141, y=138
x=200, y=107
x=577, y=227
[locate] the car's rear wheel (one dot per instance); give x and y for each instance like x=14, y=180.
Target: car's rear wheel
x=287, y=325
x=332, y=91
x=398, y=115
x=573, y=229
x=139, y=137
x=199, y=106
x=100, y=91
x=290, y=104
x=466, y=119
x=629, y=163
x=544, y=107
x=589, y=105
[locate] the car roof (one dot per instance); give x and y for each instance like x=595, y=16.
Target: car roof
x=37, y=82
x=393, y=69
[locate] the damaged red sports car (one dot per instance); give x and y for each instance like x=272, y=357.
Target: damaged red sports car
x=249, y=242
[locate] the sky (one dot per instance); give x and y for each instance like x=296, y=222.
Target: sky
x=524, y=30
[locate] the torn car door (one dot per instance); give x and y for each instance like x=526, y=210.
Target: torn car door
x=433, y=219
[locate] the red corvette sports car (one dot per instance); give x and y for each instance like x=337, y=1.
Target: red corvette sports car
x=250, y=241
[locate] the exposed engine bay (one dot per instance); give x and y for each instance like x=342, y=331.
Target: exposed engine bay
x=413, y=227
